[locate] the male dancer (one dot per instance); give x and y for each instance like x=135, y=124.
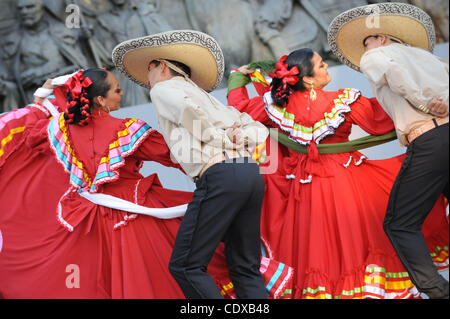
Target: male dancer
x=412, y=85
x=200, y=131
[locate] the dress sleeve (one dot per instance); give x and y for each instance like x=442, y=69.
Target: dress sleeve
x=37, y=137
x=370, y=116
x=239, y=99
x=13, y=129
x=18, y=123
x=154, y=148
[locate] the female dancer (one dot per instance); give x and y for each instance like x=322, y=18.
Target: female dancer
x=54, y=242
x=323, y=213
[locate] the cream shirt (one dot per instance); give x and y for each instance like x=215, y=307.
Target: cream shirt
x=194, y=123
x=404, y=79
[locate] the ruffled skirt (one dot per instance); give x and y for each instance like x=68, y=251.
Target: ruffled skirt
x=325, y=219
x=108, y=253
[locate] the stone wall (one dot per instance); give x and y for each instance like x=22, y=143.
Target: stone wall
x=44, y=38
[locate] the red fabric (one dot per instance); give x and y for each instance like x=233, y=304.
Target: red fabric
x=109, y=253
x=287, y=76
x=239, y=99
x=14, y=127
x=91, y=142
x=37, y=255
x=330, y=229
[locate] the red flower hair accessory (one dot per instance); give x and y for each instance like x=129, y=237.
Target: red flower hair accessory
x=76, y=83
x=287, y=76
x=76, y=86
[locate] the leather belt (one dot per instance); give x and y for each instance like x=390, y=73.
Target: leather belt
x=427, y=126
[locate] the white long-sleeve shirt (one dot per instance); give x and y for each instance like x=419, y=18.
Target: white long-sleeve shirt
x=194, y=123
x=404, y=80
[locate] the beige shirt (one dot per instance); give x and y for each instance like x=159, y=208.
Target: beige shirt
x=404, y=79
x=194, y=123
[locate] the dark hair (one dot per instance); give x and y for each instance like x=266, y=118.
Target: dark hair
x=180, y=65
x=376, y=36
x=303, y=60
x=80, y=107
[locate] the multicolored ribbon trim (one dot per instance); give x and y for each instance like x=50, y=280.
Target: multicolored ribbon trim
x=128, y=141
x=379, y=283
x=304, y=134
x=12, y=125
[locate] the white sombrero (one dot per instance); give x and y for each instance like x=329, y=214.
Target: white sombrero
x=199, y=51
x=401, y=21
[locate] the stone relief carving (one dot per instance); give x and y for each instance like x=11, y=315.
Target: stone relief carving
x=38, y=49
x=36, y=42
x=125, y=20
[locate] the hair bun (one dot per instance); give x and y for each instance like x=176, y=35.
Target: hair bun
x=83, y=87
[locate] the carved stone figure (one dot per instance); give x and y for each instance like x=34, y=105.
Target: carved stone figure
x=323, y=12
x=175, y=13
x=8, y=90
x=90, y=8
x=439, y=12
x=231, y=24
x=123, y=21
x=44, y=50
x=270, y=21
x=9, y=98
x=9, y=93
x=8, y=17
x=306, y=34
x=285, y=26
x=36, y=43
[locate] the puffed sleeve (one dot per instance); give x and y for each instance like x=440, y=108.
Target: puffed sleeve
x=177, y=107
x=155, y=149
x=370, y=116
x=383, y=70
x=37, y=136
x=16, y=125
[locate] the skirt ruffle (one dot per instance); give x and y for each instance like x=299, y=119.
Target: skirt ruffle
x=330, y=230
x=381, y=277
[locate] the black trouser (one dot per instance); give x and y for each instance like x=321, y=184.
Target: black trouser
x=422, y=179
x=226, y=207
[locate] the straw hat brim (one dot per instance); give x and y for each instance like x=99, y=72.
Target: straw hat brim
x=199, y=51
x=405, y=22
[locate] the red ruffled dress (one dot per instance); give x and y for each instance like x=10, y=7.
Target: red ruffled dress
x=323, y=214
x=56, y=244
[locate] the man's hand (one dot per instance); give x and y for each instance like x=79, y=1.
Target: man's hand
x=235, y=135
x=438, y=107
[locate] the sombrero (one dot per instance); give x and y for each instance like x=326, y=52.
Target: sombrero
x=199, y=51
x=405, y=22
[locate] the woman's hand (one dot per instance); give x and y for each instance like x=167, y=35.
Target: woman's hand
x=244, y=69
x=47, y=85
